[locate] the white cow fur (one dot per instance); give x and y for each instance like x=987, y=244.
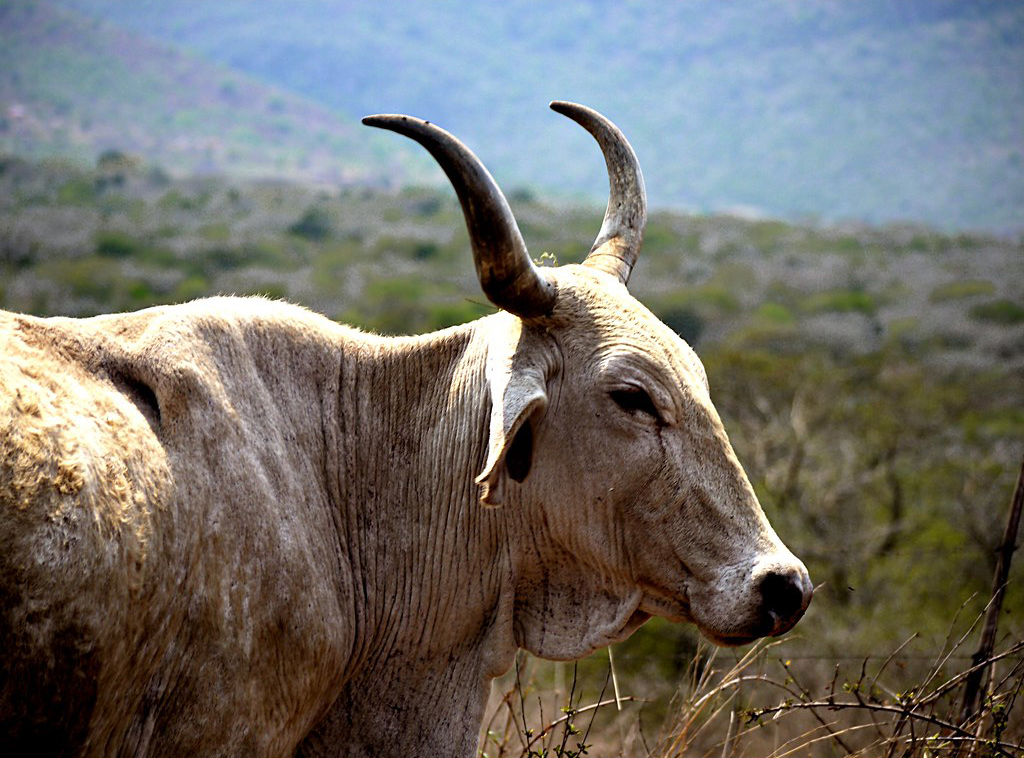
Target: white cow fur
x=283, y=547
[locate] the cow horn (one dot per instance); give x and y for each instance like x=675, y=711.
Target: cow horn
x=618, y=243
x=507, y=274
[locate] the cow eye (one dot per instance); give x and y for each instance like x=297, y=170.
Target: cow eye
x=635, y=400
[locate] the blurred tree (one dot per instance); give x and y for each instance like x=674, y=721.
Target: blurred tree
x=315, y=224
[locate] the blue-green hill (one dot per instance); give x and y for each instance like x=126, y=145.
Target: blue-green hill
x=874, y=109
x=74, y=86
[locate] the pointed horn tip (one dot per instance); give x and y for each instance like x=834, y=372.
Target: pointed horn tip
x=583, y=115
x=564, y=106
x=396, y=122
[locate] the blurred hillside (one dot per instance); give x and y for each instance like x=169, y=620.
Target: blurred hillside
x=874, y=110
x=74, y=86
x=124, y=235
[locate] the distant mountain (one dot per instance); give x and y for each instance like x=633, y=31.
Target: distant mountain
x=875, y=109
x=75, y=86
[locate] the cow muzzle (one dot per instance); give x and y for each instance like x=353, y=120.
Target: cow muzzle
x=785, y=593
x=765, y=600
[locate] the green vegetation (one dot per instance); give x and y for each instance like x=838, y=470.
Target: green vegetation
x=841, y=301
x=683, y=319
x=999, y=312
x=76, y=192
x=877, y=407
x=775, y=313
x=315, y=225
x=111, y=243
x=961, y=289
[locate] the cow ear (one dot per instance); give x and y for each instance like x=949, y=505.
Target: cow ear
x=518, y=398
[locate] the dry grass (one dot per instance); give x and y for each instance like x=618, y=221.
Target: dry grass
x=760, y=705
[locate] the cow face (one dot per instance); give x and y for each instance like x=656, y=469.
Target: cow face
x=614, y=466
x=605, y=443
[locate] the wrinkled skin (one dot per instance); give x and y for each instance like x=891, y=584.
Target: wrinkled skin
x=661, y=509
x=235, y=528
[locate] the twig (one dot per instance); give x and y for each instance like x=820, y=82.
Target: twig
x=956, y=680
x=977, y=681
x=908, y=713
x=522, y=707
x=893, y=654
x=615, y=679
x=806, y=695
x=593, y=706
x=600, y=697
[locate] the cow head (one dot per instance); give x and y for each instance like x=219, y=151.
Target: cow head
x=603, y=439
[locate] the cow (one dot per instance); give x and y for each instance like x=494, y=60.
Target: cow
x=234, y=527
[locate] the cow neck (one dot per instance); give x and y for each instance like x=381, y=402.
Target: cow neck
x=413, y=422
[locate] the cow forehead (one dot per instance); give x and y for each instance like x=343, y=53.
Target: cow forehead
x=600, y=316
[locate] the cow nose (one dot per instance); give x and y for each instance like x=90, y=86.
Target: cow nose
x=784, y=596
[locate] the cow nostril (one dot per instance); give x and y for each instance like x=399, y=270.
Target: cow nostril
x=783, y=595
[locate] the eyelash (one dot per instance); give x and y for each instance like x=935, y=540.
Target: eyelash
x=634, y=401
